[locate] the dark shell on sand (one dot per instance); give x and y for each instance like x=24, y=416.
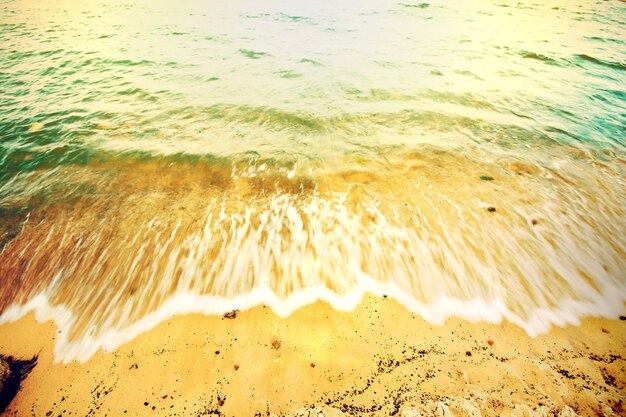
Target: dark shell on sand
x=12, y=373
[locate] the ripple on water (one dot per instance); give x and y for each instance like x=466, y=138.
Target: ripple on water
x=277, y=153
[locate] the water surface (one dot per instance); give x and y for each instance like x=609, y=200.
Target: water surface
x=157, y=157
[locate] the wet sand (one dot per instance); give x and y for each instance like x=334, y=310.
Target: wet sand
x=117, y=240
x=377, y=360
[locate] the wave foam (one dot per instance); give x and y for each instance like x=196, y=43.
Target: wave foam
x=538, y=322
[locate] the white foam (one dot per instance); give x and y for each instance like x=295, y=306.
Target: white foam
x=538, y=322
x=444, y=258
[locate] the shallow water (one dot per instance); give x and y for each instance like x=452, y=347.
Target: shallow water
x=466, y=158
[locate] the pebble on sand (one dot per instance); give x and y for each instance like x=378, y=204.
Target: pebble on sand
x=490, y=342
x=231, y=314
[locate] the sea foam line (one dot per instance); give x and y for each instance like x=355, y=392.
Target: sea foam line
x=538, y=322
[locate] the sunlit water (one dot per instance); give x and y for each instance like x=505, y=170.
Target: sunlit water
x=464, y=157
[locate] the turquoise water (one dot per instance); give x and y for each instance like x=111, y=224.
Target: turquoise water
x=309, y=81
x=162, y=157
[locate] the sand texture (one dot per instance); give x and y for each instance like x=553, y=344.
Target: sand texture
x=378, y=360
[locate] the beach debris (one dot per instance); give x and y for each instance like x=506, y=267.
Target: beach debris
x=622, y=318
x=35, y=127
x=490, y=342
x=491, y=209
x=534, y=221
x=312, y=364
x=236, y=367
x=608, y=378
x=12, y=373
x=221, y=400
x=605, y=330
x=486, y=178
x=276, y=344
x=231, y=314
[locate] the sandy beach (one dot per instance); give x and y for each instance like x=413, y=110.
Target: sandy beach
x=377, y=360
x=291, y=208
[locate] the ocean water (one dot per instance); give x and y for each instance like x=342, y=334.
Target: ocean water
x=467, y=158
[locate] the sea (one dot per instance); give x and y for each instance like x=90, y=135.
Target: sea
x=159, y=157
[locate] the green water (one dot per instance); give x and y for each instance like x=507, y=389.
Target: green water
x=287, y=80
x=467, y=158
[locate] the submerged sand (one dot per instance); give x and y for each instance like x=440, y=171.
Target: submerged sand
x=117, y=240
x=378, y=360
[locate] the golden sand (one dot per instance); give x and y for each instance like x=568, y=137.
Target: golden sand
x=378, y=360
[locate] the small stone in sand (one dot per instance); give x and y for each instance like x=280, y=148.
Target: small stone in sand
x=605, y=330
x=468, y=353
x=491, y=209
x=534, y=221
x=490, y=342
x=236, y=367
x=220, y=401
x=217, y=352
x=276, y=344
x=231, y=314
x=486, y=178
x=312, y=365
x=622, y=318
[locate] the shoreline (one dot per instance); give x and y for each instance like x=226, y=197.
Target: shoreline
x=135, y=238
x=379, y=359
x=71, y=347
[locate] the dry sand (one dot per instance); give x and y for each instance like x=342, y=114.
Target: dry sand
x=378, y=360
